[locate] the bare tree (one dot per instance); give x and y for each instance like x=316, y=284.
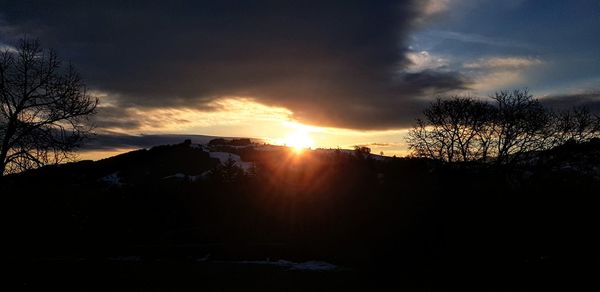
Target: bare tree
x=452, y=130
x=362, y=151
x=576, y=125
x=521, y=125
x=505, y=132
x=44, y=108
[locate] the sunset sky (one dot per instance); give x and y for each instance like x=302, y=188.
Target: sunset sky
x=342, y=73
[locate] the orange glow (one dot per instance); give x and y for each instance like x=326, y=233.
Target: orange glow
x=299, y=140
x=235, y=116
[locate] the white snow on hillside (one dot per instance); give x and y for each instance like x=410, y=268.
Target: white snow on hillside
x=312, y=266
x=224, y=156
x=112, y=179
x=176, y=176
x=184, y=177
x=288, y=265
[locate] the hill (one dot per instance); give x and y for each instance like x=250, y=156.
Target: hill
x=254, y=204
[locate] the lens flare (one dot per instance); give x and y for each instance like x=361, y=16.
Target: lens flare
x=299, y=140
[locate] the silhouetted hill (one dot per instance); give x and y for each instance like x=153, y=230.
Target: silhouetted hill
x=242, y=204
x=133, y=167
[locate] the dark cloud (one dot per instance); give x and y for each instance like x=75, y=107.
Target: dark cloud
x=334, y=63
x=112, y=117
x=113, y=141
x=589, y=100
x=131, y=119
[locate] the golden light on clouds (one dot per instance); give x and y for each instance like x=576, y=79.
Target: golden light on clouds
x=244, y=117
x=490, y=74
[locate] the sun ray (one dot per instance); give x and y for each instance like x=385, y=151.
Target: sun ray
x=299, y=140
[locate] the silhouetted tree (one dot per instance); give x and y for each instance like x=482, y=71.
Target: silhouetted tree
x=453, y=130
x=521, y=125
x=362, y=151
x=228, y=172
x=44, y=108
x=577, y=125
x=466, y=129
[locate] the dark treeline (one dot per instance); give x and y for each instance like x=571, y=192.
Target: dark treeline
x=435, y=225
x=507, y=131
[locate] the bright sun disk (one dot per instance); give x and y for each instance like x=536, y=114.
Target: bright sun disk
x=299, y=140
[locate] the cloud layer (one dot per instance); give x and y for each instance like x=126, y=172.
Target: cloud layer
x=589, y=100
x=332, y=63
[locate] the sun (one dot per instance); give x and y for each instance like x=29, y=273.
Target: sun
x=299, y=140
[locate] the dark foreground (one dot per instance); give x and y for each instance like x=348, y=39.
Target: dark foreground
x=168, y=274
x=173, y=218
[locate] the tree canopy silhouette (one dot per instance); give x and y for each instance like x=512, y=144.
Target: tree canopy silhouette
x=504, y=131
x=44, y=108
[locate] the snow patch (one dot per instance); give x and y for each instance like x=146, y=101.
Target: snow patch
x=204, y=258
x=292, y=266
x=224, y=156
x=184, y=177
x=112, y=179
x=176, y=176
x=312, y=266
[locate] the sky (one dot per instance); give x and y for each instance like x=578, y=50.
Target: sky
x=343, y=73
